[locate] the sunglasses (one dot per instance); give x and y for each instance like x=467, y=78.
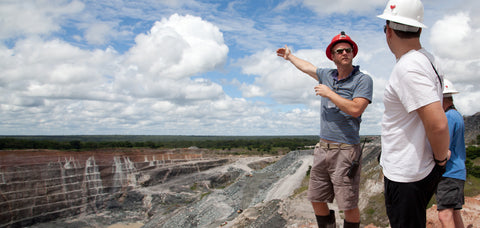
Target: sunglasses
x=385, y=29
x=340, y=50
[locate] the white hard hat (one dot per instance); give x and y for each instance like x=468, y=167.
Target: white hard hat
x=448, y=88
x=406, y=12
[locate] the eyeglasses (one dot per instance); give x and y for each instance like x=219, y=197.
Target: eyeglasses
x=340, y=50
x=385, y=27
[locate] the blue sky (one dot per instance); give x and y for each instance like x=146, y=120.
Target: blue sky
x=186, y=67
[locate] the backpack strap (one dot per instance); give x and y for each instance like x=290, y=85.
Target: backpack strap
x=438, y=76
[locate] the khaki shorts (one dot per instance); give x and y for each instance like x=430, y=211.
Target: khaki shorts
x=328, y=176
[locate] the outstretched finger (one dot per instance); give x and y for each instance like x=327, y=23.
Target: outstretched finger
x=287, y=52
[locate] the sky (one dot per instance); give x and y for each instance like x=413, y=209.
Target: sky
x=188, y=67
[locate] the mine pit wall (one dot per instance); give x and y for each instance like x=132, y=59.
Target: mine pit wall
x=40, y=186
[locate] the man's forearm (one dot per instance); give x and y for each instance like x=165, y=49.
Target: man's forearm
x=439, y=141
x=353, y=107
x=436, y=128
x=303, y=66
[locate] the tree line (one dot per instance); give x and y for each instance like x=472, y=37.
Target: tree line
x=260, y=144
x=254, y=143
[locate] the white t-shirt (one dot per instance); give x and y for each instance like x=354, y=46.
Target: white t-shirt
x=406, y=153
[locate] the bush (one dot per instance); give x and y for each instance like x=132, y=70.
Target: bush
x=472, y=169
x=473, y=152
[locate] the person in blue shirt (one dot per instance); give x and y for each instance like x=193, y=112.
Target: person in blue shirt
x=449, y=193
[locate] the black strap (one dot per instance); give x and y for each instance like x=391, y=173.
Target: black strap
x=438, y=161
x=361, y=151
x=355, y=163
x=439, y=79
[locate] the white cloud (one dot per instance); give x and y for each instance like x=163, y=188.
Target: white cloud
x=35, y=67
x=117, y=67
x=162, y=62
x=323, y=7
x=281, y=80
x=34, y=17
x=454, y=42
x=53, y=87
x=178, y=47
x=467, y=100
x=252, y=91
x=98, y=33
x=454, y=37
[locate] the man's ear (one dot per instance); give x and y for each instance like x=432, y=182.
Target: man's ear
x=389, y=32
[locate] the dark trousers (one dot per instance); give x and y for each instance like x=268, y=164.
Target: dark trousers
x=406, y=203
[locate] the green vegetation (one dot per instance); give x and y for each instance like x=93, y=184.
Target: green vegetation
x=472, y=162
x=304, y=186
x=471, y=188
x=263, y=144
x=194, y=186
x=473, y=152
x=375, y=211
x=473, y=171
x=205, y=194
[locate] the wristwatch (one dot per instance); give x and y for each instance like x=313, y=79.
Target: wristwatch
x=438, y=161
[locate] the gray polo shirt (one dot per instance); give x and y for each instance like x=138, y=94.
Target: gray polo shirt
x=336, y=125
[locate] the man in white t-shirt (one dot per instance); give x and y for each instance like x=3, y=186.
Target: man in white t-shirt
x=415, y=134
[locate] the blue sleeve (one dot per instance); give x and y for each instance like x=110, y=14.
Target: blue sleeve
x=322, y=74
x=451, y=128
x=364, y=88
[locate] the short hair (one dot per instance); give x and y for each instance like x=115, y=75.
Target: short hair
x=406, y=35
x=448, y=98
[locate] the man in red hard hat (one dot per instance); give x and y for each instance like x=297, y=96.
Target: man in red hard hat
x=345, y=94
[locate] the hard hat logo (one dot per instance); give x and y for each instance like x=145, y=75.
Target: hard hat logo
x=408, y=13
x=448, y=88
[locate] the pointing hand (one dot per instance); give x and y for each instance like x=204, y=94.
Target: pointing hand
x=284, y=52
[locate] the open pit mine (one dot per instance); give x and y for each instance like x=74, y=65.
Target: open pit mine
x=41, y=188
x=172, y=188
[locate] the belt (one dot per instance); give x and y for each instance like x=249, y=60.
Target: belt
x=327, y=146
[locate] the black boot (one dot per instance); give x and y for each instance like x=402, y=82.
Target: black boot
x=327, y=221
x=350, y=224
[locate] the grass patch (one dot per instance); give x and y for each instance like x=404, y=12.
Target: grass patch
x=304, y=186
x=204, y=194
x=472, y=186
x=375, y=212
x=194, y=186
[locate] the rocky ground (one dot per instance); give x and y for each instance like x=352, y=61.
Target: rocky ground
x=470, y=214
x=245, y=192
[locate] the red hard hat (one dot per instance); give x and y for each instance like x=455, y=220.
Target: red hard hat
x=342, y=37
